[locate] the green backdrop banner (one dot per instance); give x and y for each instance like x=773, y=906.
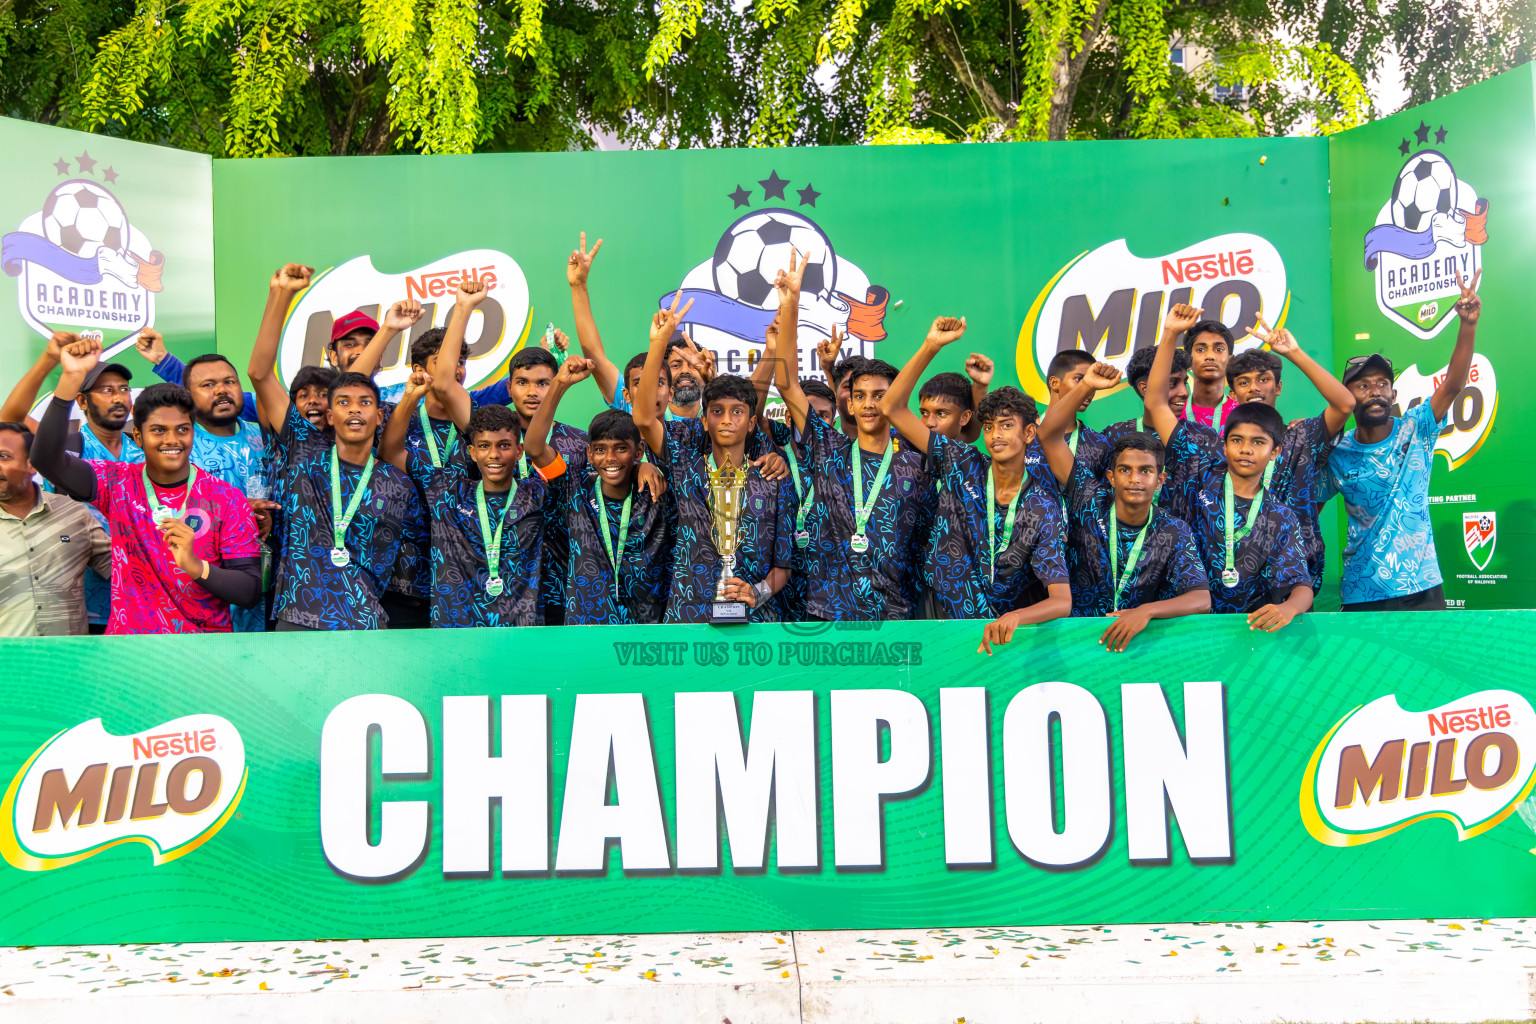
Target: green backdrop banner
x=1437, y=189
x=677, y=778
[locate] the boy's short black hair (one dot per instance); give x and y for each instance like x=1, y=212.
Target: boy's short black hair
x=1140, y=366
x=353, y=379
x=1260, y=414
x=612, y=425
x=533, y=355
x=843, y=367
x=951, y=385
x=1207, y=327
x=1067, y=360
x=1138, y=443
x=637, y=362
x=206, y=357
x=872, y=368
x=311, y=377
x=815, y=387
x=1254, y=360
x=490, y=418
x=19, y=428
x=729, y=385
x=160, y=396
x=1007, y=399
x=427, y=346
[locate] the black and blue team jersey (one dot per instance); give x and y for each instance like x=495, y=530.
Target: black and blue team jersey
x=792, y=598
x=571, y=443
x=765, y=540
x=458, y=563
x=1169, y=564
x=881, y=582
x=1299, y=483
x=960, y=556
x=645, y=559
x=1269, y=561
x=313, y=591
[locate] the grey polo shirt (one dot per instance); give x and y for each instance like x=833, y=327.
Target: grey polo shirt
x=43, y=559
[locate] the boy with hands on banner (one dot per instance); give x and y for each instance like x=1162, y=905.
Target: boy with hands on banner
x=998, y=535
x=1127, y=557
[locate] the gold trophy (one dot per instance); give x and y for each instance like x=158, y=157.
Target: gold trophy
x=727, y=489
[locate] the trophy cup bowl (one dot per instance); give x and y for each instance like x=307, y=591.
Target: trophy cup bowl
x=727, y=491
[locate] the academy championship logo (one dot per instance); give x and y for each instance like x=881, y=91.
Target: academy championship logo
x=1481, y=532
x=1381, y=768
x=1111, y=302
x=170, y=788
x=732, y=291
x=1472, y=413
x=81, y=264
x=1432, y=226
x=498, y=326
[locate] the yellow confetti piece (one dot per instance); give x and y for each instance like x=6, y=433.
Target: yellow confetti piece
x=1172, y=952
x=649, y=974
x=778, y=940
x=263, y=987
x=821, y=949
x=1279, y=947
x=1458, y=927
x=783, y=974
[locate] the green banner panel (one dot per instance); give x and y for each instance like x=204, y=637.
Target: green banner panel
x=102, y=234
x=676, y=778
x=1417, y=197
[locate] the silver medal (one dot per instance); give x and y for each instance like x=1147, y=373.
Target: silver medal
x=1229, y=578
x=859, y=542
x=341, y=557
x=494, y=586
x=802, y=538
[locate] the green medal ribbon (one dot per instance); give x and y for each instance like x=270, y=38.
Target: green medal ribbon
x=1218, y=415
x=160, y=513
x=1077, y=432
x=805, y=494
x=861, y=508
x=431, y=435
x=602, y=516
x=992, y=516
x=1122, y=580
x=1229, y=575
x=340, y=520
x=492, y=541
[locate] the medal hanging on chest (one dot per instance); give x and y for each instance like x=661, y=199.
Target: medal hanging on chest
x=494, y=584
x=1119, y=579
x=992, y=547
x=805, y=497
x=1229, y=574
x=859, y=542
x=340, y=556
x=160, y=513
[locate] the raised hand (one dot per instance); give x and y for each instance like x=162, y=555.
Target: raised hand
x=701, y=359
x=1101, y=376
x=1181, y=318
x=471, y=292
x=579, y=265
x=180, y=538
x=787, y=282
x=402, y=316
x=574, y=371
x=560, y=343
x=664, y=323
x=1470, y=306
x=81, y=355
x=150, y=344
x=945, y=329
x=827, y=351
x=979, y=368
x=292, y=278
x=418, y=385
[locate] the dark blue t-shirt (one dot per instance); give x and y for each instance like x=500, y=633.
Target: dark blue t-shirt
x=645, y=561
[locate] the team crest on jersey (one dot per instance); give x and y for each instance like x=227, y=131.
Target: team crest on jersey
x=1480, y=530
x=1432, y=227
x=80, y=263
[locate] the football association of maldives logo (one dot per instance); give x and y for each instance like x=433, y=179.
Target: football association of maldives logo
x=733, y=295
x=1431, y=228
x=1481, y=531
x=80, y=263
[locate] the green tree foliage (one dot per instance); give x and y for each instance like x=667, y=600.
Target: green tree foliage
x=280, y=77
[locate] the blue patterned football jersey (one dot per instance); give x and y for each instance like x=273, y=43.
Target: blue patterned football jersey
x=844, y=585
x=965, y=583
x=1269, y=561
x=1300, y=482
x=1168, y=567
x=792, y=598
x=764, y=537
x=1389, y=550
x=314, y=592
x=594, y=594
x=571, y=443
x=1092, y=448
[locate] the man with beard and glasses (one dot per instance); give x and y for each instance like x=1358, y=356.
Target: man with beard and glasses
x=47, y=541
x=184, y=544
x=105, y=402
x=1382, y=470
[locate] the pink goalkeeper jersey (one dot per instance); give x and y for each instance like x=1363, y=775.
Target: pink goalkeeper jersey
x=149, y=593
x=1206, y=415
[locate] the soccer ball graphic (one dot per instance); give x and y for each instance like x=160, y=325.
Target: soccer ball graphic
x=1425, y=186
x=81, y=217
x=755, y=248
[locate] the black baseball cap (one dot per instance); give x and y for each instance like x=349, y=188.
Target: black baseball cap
x=1359, y=365
x=101, y=368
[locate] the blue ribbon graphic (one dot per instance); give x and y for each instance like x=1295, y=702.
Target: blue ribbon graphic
x=21, y=247
x=711, y=309
x=1413, y=245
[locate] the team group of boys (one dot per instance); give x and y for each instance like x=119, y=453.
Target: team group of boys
x=328, y=504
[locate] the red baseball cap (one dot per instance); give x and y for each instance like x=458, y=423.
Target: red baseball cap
x=354, y=321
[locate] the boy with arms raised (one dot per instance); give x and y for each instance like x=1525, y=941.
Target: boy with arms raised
x=998, y=533
x=487, y=524
x=184, y=544
x=1209, y=346
x=1064, y=373
x=876, y=500
x=763, y=555
x=1249, y=543
x=1128, y=557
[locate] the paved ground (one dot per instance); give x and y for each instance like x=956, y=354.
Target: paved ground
x=1355, y=971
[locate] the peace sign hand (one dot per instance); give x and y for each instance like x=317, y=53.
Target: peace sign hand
x=828, y=349
x=1470, y=306
x=579, y=265
x=664, y=323
x=788, y=281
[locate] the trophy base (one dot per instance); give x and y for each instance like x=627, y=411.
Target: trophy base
x=728, y=613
